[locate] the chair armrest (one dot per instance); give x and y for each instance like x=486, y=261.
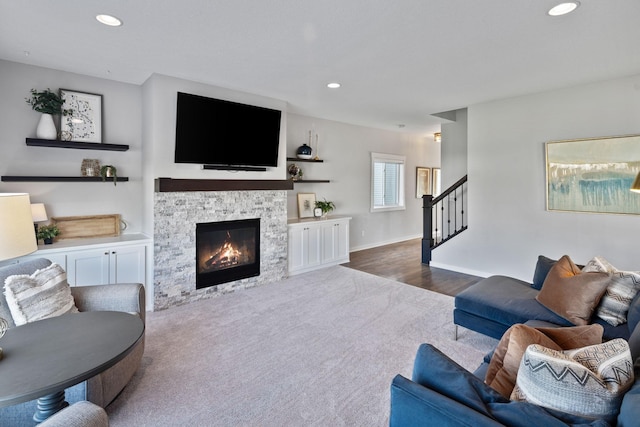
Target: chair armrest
x=80, y=414
x=127, y=297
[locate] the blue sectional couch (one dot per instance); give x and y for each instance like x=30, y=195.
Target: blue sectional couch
x=442, y=393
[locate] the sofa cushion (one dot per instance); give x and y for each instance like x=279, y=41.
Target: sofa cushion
x=570, y=294
x=590, y=381
x=622, y=289
x=41, y=295
x=505, y=362
x=505, y=300
x=543, y=266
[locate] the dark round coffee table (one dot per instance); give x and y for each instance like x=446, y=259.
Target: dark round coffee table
x=42, y=359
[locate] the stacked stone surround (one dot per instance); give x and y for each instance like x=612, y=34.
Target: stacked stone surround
x=175, y=218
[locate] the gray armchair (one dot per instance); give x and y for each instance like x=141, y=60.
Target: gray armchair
x=104, y=387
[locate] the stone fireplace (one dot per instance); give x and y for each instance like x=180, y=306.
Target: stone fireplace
x=179, y=208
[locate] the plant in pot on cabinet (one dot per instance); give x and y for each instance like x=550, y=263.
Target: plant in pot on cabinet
x=109, y=171
x=48, y=103
x=325, y=206
x=47, y=233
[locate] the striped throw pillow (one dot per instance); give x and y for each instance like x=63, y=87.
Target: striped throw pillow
x=623, y=287
x=41, y=295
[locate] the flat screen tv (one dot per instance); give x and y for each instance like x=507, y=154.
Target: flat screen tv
x=215, y=132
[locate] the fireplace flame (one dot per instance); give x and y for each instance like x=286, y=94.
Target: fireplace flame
x=226, y=256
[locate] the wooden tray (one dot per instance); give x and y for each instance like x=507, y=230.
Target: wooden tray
x=73, y=227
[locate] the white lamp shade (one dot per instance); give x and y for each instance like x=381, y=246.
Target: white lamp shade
x=38, y=212
x=16, y=226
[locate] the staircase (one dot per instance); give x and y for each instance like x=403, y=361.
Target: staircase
x=443, y=217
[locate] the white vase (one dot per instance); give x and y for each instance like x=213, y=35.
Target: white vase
x=46, y=128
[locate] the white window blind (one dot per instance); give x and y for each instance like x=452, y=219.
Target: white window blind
x=387, y=182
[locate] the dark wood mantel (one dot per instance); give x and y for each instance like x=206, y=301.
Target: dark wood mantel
x=169, y=185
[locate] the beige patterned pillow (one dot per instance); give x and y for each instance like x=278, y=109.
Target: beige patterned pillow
x=43, y=294
x=589, y=381
x=623, y=287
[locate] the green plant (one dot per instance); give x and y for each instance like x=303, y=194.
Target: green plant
x=47, y=102
x=48, y=231
x=109, y=171
x=325, y=206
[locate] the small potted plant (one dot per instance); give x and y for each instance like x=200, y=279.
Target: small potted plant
x=325, y=206
x=48, y=103
x=109, y=171
x=47, y=233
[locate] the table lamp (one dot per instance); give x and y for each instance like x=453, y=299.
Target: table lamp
x=16, y=232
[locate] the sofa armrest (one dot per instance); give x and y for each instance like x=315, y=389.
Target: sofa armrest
x=413, y=405
x=127, y=297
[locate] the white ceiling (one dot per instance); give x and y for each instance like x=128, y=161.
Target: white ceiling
x=398, y=61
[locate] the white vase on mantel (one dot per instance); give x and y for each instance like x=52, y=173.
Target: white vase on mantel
x=46, y=127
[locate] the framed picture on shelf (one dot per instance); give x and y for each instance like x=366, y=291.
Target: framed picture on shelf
x=423, y=181
x=306, y=204
x=593, y=175
x=84, y=124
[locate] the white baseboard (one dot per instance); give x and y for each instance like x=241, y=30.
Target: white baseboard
x=460, y=269
x=387, y=242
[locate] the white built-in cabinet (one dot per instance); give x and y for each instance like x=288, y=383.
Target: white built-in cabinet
x=317, y=242
x=96, y=261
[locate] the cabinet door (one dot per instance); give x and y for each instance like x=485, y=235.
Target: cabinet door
x=127, y=265
x=335, y=236
x=304, y=247
x=88, y=267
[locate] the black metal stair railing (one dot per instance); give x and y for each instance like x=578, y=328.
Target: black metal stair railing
x=443, y=217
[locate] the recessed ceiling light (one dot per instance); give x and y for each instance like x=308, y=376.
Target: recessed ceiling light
x=109, y=20
x=333, y=85
x=564, y=8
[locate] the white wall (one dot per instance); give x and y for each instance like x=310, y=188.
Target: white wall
x=454, y=149
x=121, y=125
x=346, y=151
x=159, y=131
x=508, y=222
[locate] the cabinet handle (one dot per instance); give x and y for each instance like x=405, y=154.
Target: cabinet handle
x=113, y=252
x=106, y=253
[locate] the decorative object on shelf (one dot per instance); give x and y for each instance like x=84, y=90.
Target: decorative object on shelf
x=88, y=226
x=109, y=171
x=317, y=157
x=304, y=152
x=325, y=206
x=38, y=214
x=593, y=175
x=48, y=103
x=423, y=181
x=90, y=167
x=306, y=204
x=85, y=121
x=47, y=233
x=317, y=212
x=294, y=171
x=65, y=136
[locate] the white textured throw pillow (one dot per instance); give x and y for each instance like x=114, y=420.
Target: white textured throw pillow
x=623, y=287
x=589, y=381
x=41, y=295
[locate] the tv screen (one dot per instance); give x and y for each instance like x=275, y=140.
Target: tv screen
x=217, y=132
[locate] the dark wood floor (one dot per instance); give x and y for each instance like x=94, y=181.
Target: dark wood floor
x=402, y=262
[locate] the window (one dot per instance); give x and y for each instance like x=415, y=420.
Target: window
x=387, y=182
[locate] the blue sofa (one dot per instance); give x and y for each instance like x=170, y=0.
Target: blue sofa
x=442, y=393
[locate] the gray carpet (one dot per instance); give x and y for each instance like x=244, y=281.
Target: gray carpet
x=318, y=349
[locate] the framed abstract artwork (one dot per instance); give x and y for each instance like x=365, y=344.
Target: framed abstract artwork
x=423, y=181
x=435, y=182
x=84, y=124
x=593, y=175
